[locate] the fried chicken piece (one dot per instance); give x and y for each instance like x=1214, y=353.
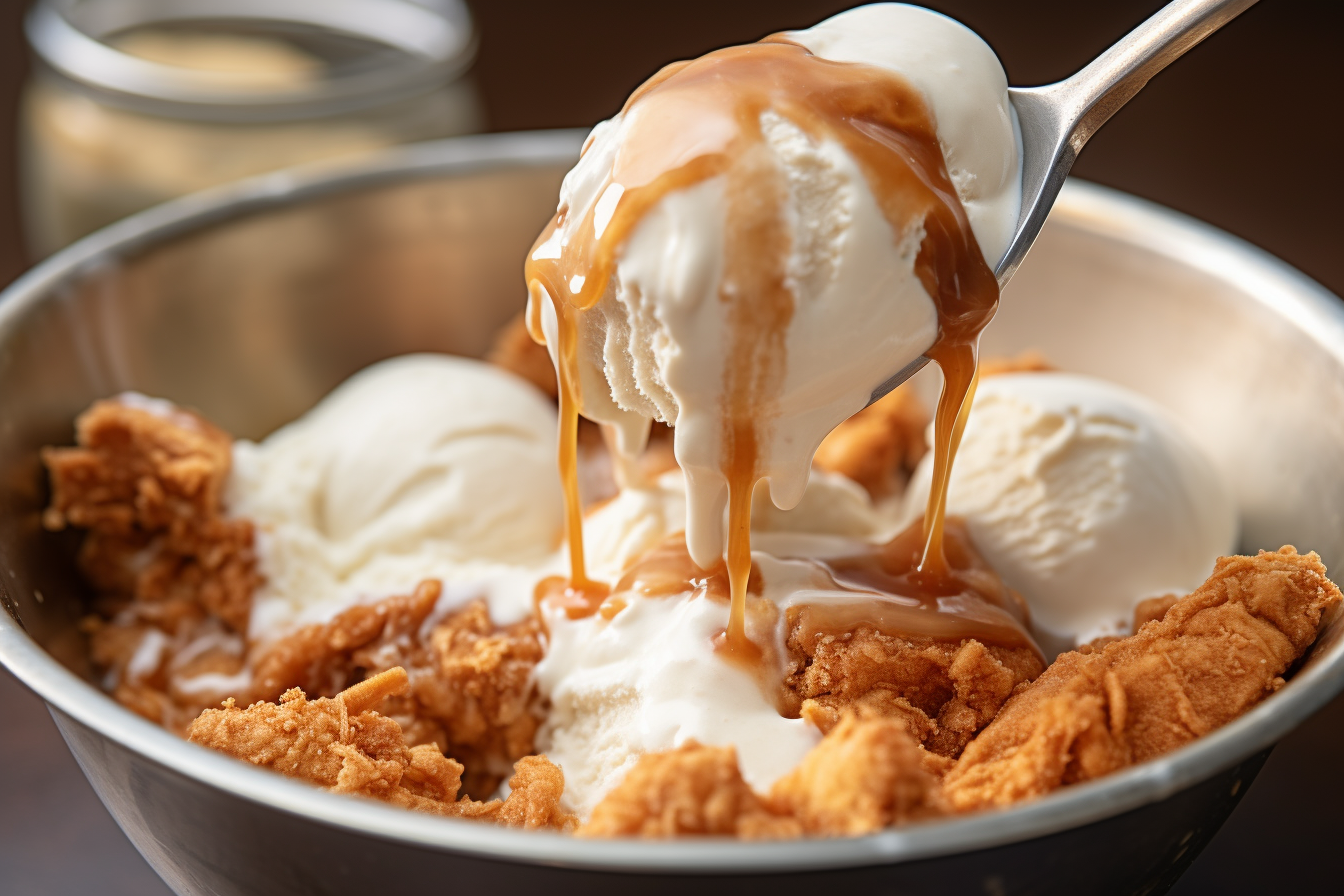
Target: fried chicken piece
x=146, y=481
x=471, y=687
x=1030, y=361
x=515, y=350
x=341, y=744
x=1153, y=609
x=480, y=686
x=1213, y=655
x=168, y=679
x=944, y=692
x=320, y=658
x=865, y=775
x=138, y=466
x=693, y=790
x=880, y=445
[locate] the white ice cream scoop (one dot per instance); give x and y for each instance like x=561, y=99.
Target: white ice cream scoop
x=1086, y=498
x=1058, y=119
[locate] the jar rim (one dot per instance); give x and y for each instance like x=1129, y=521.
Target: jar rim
x=435, y=39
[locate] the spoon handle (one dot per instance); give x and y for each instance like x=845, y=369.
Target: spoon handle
x=1057, y=119
x=1091, y=96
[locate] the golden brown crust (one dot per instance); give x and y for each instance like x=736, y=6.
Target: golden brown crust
x=944, y=693
x=480, y=688
x=880, y=445
x=321, y=659
x=1153, y=609
x=693, y=790
x=147, y=485
x=516, y=351
x=342, y=745
x=865, y=775
x=471, y=689
x=1212, y=656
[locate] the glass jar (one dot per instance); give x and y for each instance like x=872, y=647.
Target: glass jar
x=133, y=102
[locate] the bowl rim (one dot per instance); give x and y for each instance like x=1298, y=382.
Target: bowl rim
x=1268, y=281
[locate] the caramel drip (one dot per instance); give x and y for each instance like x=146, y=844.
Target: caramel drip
x=896, y=596
x=878, y=587
x=701, y=119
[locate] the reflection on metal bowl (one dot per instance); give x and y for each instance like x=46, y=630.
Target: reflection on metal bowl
x=250, y=302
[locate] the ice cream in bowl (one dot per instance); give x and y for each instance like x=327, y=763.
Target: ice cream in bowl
x=284, y=487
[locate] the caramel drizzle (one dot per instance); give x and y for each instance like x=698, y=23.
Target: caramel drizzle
x=700, y=119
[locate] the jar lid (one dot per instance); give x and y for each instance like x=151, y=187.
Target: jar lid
x=413, y=46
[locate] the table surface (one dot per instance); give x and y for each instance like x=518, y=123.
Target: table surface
x=1233, y=134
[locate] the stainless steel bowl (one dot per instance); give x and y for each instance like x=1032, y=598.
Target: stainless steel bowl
x=251, y=302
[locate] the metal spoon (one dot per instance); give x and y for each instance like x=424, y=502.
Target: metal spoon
x=1058, y=119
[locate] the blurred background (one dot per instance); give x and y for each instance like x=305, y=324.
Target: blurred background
x=1244, y=132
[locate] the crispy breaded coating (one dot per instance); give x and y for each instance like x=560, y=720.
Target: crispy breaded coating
x=471, y=687
x=515, y=350
x=320, y=658
x=1213, y=655
x=146, y=480
x=826, y=713
x=296, y=736
x=341, y=744
x=1152, y=609
x=480, y=687
x=693, y=790
x=943, y=692
x=168, y=679
x=534, y=797
x=865, y=775
x=880, y=445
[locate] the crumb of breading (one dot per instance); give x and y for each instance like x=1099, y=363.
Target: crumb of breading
x=693, y=790
x=1212, y=656
x=1153, y=609
x=341, y=744
x=865, y=775
x=516, y=351
x=880, y=445
x=146, y=480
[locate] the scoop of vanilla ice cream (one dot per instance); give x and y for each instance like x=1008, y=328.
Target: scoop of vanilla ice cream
x=422, y=466
x=654, y=347
x=1086, y=498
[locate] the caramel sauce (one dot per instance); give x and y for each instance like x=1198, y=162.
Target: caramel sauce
x=701, y=119
x=577, y=602
x=895, y=595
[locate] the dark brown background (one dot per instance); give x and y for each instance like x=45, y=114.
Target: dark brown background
x=1244, y=133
